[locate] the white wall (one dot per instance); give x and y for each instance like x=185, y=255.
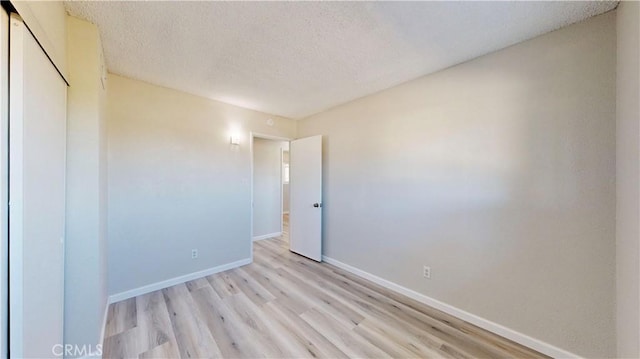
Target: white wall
x=176, y=183
x=267, y=187
x=628, y=180
x=85, y=267
x=499, y=173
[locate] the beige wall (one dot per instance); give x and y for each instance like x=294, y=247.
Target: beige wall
x=86, y=262
x=267, y=187
x=628, y=180
x=499, y=174
x=175, y=182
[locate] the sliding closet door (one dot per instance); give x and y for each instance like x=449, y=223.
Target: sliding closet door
x=4, y=180
x=37, y=143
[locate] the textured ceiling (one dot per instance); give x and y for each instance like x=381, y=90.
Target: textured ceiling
x=295, y=59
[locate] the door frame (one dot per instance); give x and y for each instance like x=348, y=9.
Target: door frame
x=252, y=136
x=4, y=183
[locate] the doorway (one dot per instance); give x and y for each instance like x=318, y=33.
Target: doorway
x=269, y=186
x=304, y=222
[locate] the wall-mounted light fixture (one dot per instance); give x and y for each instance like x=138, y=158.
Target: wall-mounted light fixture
x=234, y=140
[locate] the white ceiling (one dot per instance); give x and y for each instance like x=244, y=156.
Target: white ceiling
x=295, y=59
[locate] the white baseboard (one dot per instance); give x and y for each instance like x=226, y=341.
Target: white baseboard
x=173, y=281
x=535, y=344
x=267, y=236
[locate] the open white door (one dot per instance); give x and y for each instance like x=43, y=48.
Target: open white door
x=305, y=185
x=37, y=157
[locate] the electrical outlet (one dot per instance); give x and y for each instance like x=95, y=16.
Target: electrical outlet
x=426, y=272
x=194, y=253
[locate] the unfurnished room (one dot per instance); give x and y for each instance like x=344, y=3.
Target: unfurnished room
x=320, y=179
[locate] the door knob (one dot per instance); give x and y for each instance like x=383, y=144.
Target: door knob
x=316, y=205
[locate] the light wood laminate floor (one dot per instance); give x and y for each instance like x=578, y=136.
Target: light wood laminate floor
x=286, y=306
